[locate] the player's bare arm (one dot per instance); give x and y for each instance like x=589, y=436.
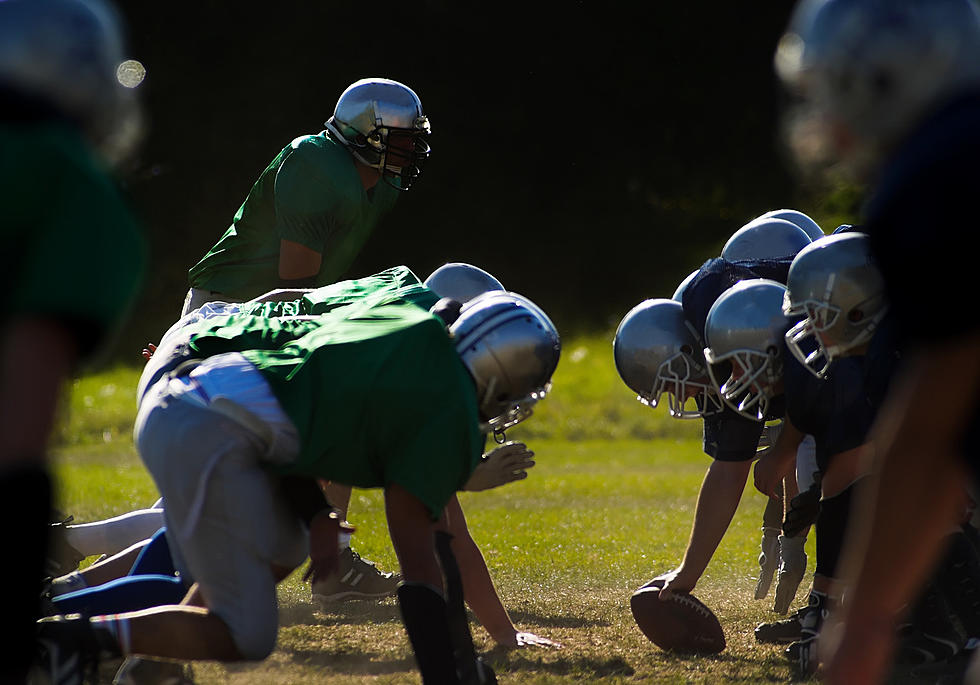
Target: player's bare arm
x=718, y=498
x=298, y=262
x=480, y=592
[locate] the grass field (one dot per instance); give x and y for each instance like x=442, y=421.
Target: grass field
x=608, y=506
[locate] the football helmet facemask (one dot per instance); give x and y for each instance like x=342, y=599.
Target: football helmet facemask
x=745, y=327
x=840, y=293
x=511, y=349
x=656, y=351
x=382, y=124
x=862, y=73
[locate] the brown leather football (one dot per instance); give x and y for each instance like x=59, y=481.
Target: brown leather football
x=680, y=623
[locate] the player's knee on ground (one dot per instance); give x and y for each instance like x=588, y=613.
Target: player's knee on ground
x=254, y=632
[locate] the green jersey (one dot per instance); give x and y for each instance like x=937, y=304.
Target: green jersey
x=311, y=194
x=373, y=385
x=74, y=251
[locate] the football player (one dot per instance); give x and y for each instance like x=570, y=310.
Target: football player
x=242, y=412
x=78, y=252
x=657, y=350
x=889, y=92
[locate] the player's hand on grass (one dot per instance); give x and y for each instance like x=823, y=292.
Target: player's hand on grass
x=532, y=640
x=325, y=529
x=501, y=465
x=148, y=351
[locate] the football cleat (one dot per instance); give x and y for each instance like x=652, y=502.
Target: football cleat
x=139, y=671
x=782, y=631
x=69, y=649
x=355, y=578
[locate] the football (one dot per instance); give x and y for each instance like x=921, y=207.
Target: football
x=681, y=623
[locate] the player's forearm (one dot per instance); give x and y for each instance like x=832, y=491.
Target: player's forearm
x=29, y=391
x=480, y=593
x=478, y=588
x=718, y=499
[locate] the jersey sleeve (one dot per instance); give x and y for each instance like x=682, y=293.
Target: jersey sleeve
x=729, y=436
x=309, y=206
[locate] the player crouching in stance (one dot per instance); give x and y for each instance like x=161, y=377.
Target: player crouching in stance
x=372, y=390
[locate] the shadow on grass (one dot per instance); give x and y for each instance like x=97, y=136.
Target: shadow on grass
x=552, y=621
x=505, y=660
x=342, y=663
x=354, y=613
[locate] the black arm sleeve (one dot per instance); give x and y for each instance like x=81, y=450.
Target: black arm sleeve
x=304, y=496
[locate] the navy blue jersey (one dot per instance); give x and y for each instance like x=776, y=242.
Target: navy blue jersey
x=718, y=275
x=880, y=363
x=834, y=410
x=923, y=209
x=729, y=436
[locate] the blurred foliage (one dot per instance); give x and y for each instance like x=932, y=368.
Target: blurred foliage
x=589, y=155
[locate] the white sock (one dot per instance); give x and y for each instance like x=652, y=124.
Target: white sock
x=343, y=541
x=116, y=534
x=70, y=582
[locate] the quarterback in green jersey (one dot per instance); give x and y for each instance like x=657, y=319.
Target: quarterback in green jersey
x=314, y=206
x=75, y=255
x=382, y=387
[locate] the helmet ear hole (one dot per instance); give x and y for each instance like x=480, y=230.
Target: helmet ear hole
x=687, y=349
x=855, y=315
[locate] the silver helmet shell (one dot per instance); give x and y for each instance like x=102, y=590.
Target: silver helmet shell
x=66, y=53
x=678, y=295
x=657, y=352
x=794, y=216
x=461, y=282
x=864, y=72
x=382, y=124
x=838, y=289
x=765, y=238
x=745, y=327
x=511, y=349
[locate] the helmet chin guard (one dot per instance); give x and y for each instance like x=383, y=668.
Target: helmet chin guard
x=382, y=124
x=837, y=289
x=657, y=352
x=746, y=327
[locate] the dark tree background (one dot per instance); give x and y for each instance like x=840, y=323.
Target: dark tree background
x=590, y=154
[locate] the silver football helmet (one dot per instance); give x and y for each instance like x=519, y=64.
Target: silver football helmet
x=657, y=352
x=866, y=71
x=511, y=350
x=66, y=53
x=678, y=295
x=797, y=217
x=838, y=290
x=381, y=122
x=745, y=326
x=765, y=238
x=461, y=282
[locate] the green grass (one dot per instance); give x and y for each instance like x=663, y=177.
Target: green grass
x=608, y=506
